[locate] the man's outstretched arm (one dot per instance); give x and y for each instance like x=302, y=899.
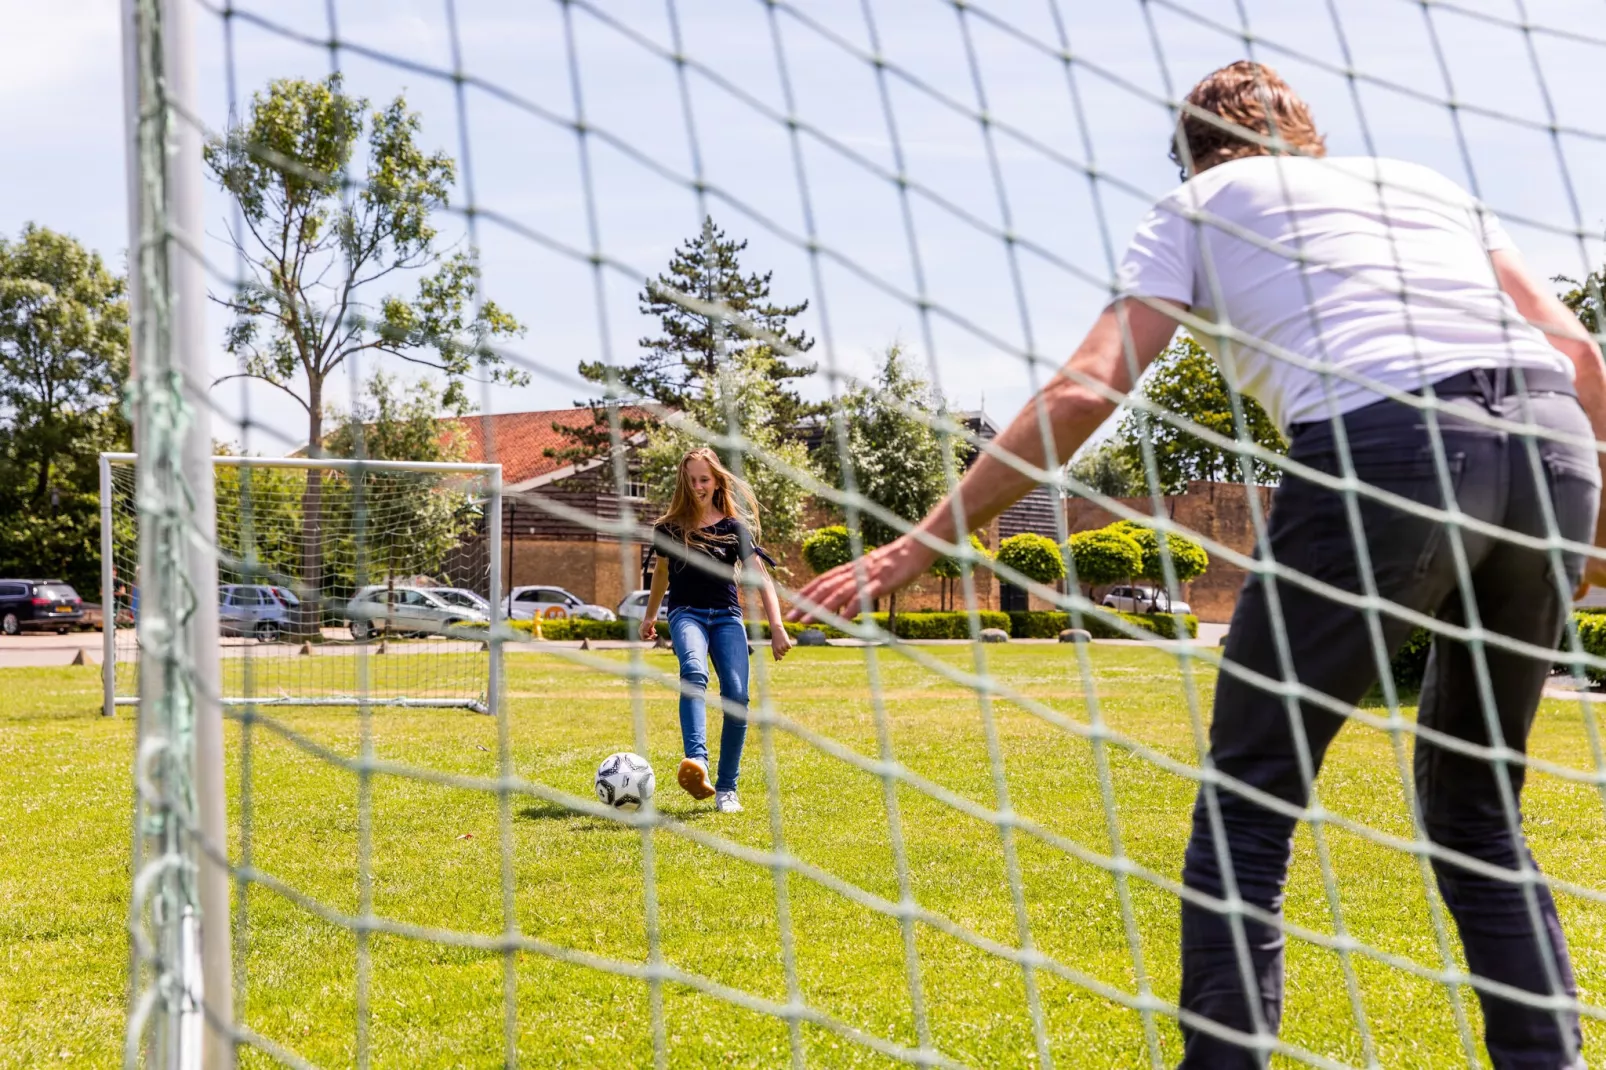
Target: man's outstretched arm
x=1123, y=342
x=1544, y=310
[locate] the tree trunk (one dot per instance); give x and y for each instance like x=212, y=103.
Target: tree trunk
x=309, y=616
x=892, y=612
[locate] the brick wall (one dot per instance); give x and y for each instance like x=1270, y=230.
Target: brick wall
x=587, y=568
x=1218, y=512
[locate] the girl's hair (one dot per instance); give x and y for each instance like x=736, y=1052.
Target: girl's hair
x=1243, y=96
x=732, y=498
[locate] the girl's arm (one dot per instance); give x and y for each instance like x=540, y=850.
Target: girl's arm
x=780, y=642
x=660, y=584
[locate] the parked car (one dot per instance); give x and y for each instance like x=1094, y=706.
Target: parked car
x=256, y=610
x=38, y=605
x=634, y=606
x=1143, y=600
x=461, y=596
x=406, y=611
x=525, y=603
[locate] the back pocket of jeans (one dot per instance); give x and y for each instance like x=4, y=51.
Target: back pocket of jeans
x=1403, y=540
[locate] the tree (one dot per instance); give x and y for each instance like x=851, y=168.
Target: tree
x=1106, y=470
x=314, y=251
x=947, y=569
x=63, y=363
x=1188, y=558
x=1187, y=382
x=827, y=548
x=412, y=519
x=742, y=389
x=1584, y=298
x=1106, y=555
x=695, y=341
x=1033, y=556
x=897, y=459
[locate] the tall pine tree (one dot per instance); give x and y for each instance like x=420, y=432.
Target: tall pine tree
x=674, y=367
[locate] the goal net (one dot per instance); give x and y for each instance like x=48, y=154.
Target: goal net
x=315, y=584
x=848, y=236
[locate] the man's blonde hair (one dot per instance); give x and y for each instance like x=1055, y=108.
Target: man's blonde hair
x=1248, y=97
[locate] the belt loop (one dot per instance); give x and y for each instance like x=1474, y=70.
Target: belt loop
x=1485, y=387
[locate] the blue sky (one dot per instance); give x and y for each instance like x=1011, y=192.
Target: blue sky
x=61, y=69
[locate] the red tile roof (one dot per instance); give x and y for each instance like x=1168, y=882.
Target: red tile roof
x=520, y=440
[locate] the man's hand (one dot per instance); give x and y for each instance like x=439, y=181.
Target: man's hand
x=897, y=564
x=780, y=642
x=649, y=630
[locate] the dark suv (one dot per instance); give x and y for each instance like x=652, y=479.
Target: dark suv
x=38, y=604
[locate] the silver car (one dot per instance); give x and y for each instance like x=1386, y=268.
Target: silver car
x=461, y=596
x=551, y=603
x=407, y=611
x=1144, y=600
x=634, y=606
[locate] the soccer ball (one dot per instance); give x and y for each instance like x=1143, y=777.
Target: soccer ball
x=624, y=781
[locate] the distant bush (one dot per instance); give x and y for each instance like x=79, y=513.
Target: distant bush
x=1033, y=556
x=1105, y=556
x=1037, y=624
x=1592, y=637
x=826, y=548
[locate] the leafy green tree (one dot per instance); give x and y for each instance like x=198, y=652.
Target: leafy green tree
x=897, y=459
x=1188, y=558
x=827, y=548
x=1187, y=382
x=1584, y=298
x=1106, y=555
x=1033, y=556
x=949, y=569
x=63, y=362
x=695, y=341
x=315, y=252
x=410, y=521
x=742, y=389
x=1107, y=470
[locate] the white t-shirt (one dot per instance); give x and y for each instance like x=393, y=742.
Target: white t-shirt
x=1395, y=285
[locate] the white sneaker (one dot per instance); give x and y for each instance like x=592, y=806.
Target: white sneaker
x=727, y=803
x=693, y=776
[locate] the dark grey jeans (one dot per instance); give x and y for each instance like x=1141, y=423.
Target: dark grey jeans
x=1255, y=739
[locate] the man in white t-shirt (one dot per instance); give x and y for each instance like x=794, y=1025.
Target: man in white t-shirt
x=1342, y=294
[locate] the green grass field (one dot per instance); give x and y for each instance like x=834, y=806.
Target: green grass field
x=64, y=856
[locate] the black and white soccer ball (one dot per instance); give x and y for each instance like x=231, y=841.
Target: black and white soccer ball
x=624, y=781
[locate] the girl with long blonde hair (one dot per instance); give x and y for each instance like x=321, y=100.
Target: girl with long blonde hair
x=709, y=531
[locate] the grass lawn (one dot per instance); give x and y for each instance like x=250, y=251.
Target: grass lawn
x=578, y=880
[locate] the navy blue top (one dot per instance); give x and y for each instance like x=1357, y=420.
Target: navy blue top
x=702, y=572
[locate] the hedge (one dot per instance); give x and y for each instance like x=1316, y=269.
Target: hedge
x=1038, y=624
x=1033, y=556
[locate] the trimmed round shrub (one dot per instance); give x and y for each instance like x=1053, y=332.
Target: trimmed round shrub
x=827, y=548
x=1033, y=556
x=1188, y=558
x=1105, y=556
x=947, y=568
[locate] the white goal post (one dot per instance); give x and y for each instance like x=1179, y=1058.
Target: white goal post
x=399, y=559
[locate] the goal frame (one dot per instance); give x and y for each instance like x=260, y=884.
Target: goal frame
x=491, y=473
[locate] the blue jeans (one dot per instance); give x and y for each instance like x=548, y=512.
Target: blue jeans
x=1254, y=739
x=696, y=634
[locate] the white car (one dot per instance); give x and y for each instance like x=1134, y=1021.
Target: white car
x=634, y=606
x=461, y=596
x=406, y=611
x=551, y=603
x=1144, y=600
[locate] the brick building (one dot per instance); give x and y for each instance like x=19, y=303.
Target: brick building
x=554, y=512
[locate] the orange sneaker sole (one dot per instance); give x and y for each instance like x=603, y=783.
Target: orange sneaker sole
x=694, y=778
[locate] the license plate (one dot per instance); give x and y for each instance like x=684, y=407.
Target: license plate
x=63, y=609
